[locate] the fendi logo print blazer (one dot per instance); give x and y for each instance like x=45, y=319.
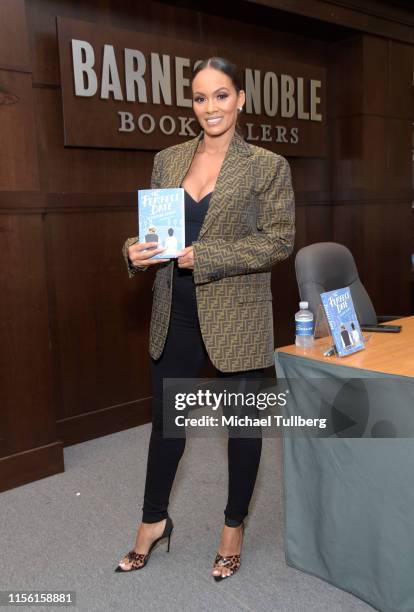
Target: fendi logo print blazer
x=249, y=227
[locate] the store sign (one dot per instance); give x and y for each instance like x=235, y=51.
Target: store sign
x=125, y=89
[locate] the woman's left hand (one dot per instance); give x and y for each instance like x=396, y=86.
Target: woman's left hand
x=186, y=258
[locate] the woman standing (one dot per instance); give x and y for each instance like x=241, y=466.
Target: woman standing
x=213, y=302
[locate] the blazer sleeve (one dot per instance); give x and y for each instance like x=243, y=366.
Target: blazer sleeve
x=155, y=184
x=273, y=241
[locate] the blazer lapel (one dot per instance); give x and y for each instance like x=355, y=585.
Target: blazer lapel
x=234, y=166
x=182, y=161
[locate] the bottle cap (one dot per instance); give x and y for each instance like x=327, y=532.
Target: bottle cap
x=303, y=305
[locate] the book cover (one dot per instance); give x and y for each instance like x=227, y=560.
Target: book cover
x=343, y=322
x=161, y=219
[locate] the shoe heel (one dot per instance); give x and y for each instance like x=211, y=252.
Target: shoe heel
x=143, y=558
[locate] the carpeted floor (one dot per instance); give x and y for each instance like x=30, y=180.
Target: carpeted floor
x=70, y=530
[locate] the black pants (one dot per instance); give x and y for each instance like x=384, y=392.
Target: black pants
x=184, y=356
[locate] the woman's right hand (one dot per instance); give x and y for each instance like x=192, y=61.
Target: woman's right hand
x=141, y=258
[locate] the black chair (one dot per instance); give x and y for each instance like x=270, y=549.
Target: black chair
x=325, y=266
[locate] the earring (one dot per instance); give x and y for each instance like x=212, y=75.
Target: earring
x=240, y=108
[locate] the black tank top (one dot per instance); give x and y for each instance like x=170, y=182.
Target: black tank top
x=194, y=217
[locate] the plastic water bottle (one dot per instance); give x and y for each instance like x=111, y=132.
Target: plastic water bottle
x=304, y=326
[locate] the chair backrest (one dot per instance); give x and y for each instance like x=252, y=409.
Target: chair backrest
x=325, y=266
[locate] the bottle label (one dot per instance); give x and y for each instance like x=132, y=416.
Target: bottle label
x=304, y=328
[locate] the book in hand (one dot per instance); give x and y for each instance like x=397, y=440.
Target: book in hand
x=161, y=219
x=343, y=322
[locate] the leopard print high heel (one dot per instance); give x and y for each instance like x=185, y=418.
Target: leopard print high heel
x=139, y=560
x=232, y=562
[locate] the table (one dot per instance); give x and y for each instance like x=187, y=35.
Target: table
x=349, y=496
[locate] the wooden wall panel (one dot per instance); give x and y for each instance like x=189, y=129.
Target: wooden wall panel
x=378, y=17
x=387, y=78
x=397, y=162
x=18, y=156
x=372, y=156
x=378, y=234
x=41, y=19
x=100, y=318
x=374, y=74
x=29, y=447
x=72, y=170
x=185, y=23
x=400, y=99
x=14, y=48
x=311, y=180
x=345, y=86
x=372, y=166
x=151, y=17
x=291, y=47
x=24, y=321
x=387, y=263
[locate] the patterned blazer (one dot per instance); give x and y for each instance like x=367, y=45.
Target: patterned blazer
x=249, y=226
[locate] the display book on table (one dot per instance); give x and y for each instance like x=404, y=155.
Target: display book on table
x=343, y=321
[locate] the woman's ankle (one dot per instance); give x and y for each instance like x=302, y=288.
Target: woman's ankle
x=149, y=520
x=233, y=522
